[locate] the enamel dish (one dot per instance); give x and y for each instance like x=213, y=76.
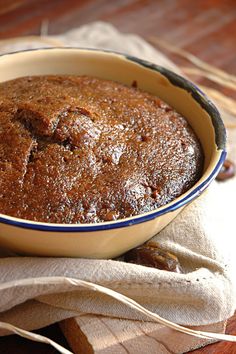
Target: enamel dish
x=110, y=239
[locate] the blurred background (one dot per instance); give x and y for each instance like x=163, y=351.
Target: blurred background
x=206, y=28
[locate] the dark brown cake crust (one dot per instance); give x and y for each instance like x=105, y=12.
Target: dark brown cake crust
x=85, y=150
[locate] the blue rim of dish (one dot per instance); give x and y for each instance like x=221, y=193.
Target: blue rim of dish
x=220, y=137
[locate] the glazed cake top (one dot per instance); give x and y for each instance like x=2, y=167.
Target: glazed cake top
x=85, y=150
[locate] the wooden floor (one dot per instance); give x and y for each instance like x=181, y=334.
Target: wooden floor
x=206, y=28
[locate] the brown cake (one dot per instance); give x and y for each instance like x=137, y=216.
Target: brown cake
x=85, y=150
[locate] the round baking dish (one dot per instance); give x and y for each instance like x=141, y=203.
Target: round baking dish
x=110, y=239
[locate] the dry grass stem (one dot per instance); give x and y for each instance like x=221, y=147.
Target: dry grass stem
x=209, y=76
x=193, y=59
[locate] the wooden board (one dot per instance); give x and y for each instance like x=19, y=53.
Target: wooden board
x=91, y=334
x=206, y=28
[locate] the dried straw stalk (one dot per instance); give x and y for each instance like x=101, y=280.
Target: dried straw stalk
x=193, y=59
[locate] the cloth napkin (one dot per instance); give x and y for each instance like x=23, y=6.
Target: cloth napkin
x=202, y=237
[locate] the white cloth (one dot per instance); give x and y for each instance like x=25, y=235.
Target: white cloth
x=202, y=236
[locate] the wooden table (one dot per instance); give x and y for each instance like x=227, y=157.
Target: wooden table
x=206, y=28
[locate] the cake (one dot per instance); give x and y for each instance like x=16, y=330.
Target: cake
x=79, y=149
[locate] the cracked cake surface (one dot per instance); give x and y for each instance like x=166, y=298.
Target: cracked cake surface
x=78, y=149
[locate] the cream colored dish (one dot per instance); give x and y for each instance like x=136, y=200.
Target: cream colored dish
x=110, y=239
